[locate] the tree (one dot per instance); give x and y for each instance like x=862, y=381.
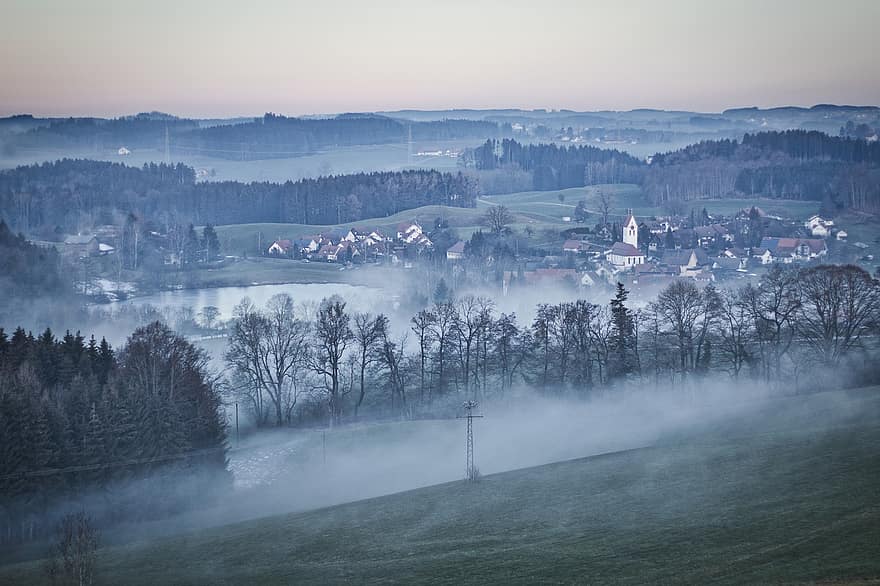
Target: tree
x=622, y=336
x=840, y=305
x=208, y=316
x=367, y=334
x=421, y=325
x=497, y=218
x=267, y=350
x=681, y=306
x=333, y=334
x=210, y=242
x=604, y=206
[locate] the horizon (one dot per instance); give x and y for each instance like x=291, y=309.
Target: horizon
x=771, y=108
x=99, y=58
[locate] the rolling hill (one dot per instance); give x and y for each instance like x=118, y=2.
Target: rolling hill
x=784, y=495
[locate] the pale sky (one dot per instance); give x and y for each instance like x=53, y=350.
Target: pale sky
x=225, y=58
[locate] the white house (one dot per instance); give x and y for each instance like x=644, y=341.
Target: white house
x=842, y=235
x=818, y=226
x=123, y=151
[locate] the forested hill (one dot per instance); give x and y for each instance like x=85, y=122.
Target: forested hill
x=61, y=196
x=795, y=164
x=558, y=167
x=271, y=136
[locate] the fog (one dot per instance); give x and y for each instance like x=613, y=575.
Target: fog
x=285, y=471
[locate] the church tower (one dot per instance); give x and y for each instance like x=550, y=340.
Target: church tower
x=631, y=230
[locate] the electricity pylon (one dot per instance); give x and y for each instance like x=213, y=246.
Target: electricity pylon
x=471, y=470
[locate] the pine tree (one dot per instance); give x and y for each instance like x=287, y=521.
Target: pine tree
x=622, y=362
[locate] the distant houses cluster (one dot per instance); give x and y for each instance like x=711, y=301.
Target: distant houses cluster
x=355, y=244
x=656, y=251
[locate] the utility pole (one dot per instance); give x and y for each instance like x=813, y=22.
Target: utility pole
x=237, y=437
x=471, y=469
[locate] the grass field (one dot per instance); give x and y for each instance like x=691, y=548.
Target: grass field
x=789, y=496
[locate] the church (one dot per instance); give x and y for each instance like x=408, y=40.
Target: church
x=626, y=254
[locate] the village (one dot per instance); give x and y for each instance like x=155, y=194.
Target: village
x=645, y=254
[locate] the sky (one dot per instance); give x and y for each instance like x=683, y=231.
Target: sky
x=222, y=58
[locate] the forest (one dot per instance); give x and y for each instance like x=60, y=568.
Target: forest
x=841, y=172
x=79, y=418
x=554, y=167
x=69, y=195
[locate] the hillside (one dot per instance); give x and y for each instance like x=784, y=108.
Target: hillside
x=785, y=495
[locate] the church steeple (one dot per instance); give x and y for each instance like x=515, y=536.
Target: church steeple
x=630, y=229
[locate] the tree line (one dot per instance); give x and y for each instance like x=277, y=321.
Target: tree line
x=138, y=430
x=802, y=328
x=795, y=164
x=554, y=167
x=67, y=195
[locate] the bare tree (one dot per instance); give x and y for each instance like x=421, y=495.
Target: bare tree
x=497, y=218
x=367, y=335
x=681, y=306
x=332, y=334
x=604, y=205
x=267, y=349
x=444, y=328
x=474, y=318
x=391, y=355
x=735, y=330
x=839, y=306
x=421, y=325
x=773, y=306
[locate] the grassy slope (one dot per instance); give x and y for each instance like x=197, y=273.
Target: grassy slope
x=790, y=497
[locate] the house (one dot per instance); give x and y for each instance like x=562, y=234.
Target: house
x=687, y=261
x=818, y=226
x=409, y=232
x=122, y=152
x=281, y=248
x=341, y=252
x=627, y=254
x=81, y=245
x=712, y=234
x=573, y=246
x=842, y=235
x=788, y=250
x=456, y=251
x=762, y=254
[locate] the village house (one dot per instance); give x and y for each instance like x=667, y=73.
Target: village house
x=81, y=245
x=456, y=251
x=790, y=250
x=281, y=248
x=818, y=226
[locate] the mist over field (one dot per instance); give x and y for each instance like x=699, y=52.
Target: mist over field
x=319, y=293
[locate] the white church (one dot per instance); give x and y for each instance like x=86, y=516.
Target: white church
x=626, y=254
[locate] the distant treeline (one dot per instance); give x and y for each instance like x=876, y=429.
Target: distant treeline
x=558, y=167
x=795, y=164
x=81, y=421
x=271, y=136
x=68, y=194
